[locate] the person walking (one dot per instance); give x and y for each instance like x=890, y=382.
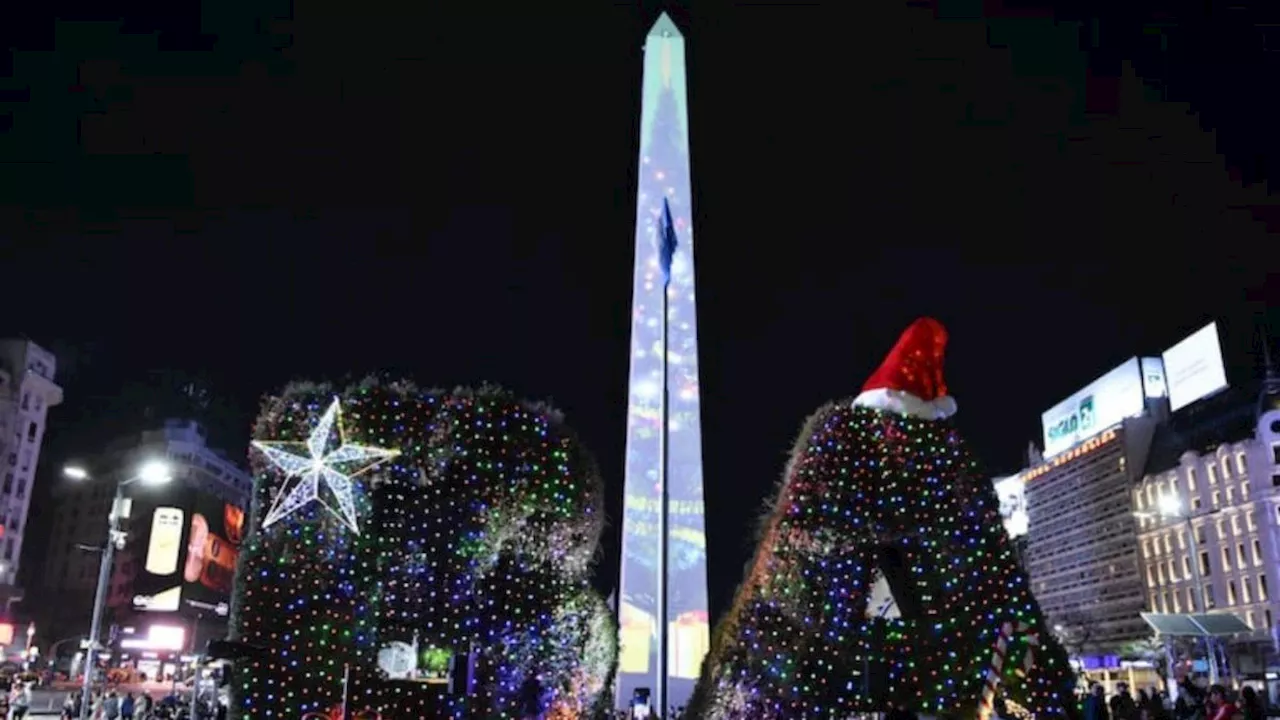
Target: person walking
x=127, y=706
x=111, y=706
x=20, y=703
x=1095, y=705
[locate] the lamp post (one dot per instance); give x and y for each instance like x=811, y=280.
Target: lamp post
x=151, y=473
x=1170, y=507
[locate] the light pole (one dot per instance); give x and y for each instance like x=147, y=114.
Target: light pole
x=1170, y=507
x=151, y=473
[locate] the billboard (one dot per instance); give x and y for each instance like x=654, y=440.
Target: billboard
x=189, y=547
x=1095, y=407
x=1013, y=504
x=1194, y=367
x=1153, y=382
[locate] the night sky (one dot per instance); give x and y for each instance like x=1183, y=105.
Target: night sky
x=258, y=198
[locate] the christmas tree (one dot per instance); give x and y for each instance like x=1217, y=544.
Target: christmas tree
x=884, y=483
x=394, y=530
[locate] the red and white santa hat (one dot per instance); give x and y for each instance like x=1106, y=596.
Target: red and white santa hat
x=909, y=381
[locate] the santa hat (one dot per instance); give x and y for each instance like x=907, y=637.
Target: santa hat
x=909, y=381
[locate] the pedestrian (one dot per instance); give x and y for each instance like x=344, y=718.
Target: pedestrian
x=145, y=706
x=21, y=701
x=1122, y=705
x=111, y=706
x=127, y=706
x=1220, y=708
x=1095, y=704
x=1251, y=704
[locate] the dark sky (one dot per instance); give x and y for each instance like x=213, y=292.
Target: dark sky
x=330, y=191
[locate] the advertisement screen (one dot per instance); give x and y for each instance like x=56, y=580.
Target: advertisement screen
x=1013, y=504
x=1153, y=382
x=189, y=545
x=1194, y=368
x=1094, y=408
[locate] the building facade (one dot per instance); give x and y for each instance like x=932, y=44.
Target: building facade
x=1229, y=497
x=27, y=391
x=79, y=522
x=1082, y=551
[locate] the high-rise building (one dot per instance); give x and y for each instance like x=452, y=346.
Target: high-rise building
x=1217, y=475
x=204, y=479
x=1081, y=550
x=27, y=391
x=663, y=175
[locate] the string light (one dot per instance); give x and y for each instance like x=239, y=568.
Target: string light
x=867, y=488
x=478, y=536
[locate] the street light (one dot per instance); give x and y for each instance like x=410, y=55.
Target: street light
x=153, y=472
x=1170, y=507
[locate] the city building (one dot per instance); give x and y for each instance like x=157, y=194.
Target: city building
x=182, y=536
x=1082, y=550
x=27, y=391
x=1213, y=486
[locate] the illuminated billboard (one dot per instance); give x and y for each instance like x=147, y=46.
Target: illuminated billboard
x=189, y=546
x=663, y=175
x=1153, y=382
x=1013, y=504
x=1097, y=406
x=1194, y=368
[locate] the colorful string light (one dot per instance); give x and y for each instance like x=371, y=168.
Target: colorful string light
x=476, y=536
x=864, y=489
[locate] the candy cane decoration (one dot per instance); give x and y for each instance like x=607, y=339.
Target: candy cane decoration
x=987, y=706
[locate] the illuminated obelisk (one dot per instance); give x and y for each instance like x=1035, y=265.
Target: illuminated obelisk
x=663, y=173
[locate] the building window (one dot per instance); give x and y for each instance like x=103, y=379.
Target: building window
x=26, y=401
x=22, y=488
x=1240, y=562
x=1160, y=573
x=1266, y=615
x=1204, y=562
x=1257, y=552
x=1275, y=454
x=1226, y=468
x=1275, y=480
x=1195, y=502
x=1231, y=495
x=1186, y=566
x=1248, y=618
x=1231, y=592
x=1146, y=549
x=1177, y=605
x=1168, y=544
x=1226, y=558
x=1200, y=533
x=1191, y=605
x=1212, y=472
x=32, y=430
x=1217, y=498
x=1252, y=521
x=1191, y=478
x=1262, y=587
x=1209, y=601
x=1173, y=575
x=1221, y=525
x=1151, y=576
x=1182, y=539
x=1235, y=524
x=1244, y=491
x=1154, y=607
x=1244, y=590
x=1242, y=464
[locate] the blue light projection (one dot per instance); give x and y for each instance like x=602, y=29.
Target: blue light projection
x=663, y=172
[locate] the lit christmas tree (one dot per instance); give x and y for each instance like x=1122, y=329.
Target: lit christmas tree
x=395, y=529
x=884, y=482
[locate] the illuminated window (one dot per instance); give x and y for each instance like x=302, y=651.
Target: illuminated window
x=1137, y=500
x=1146, y=548
x=1177, y=606
x=1182, y=539
x=1153, y=606
x=1231, y=495
x=1248, y=618
x=1244, y=491
x=1191, y=605
x=1242, y=464
x=1217, y=498
x=1212, y=472
x=1151, y=576
x=1173, y=574
x=1151, y=496
x=1191, y=478
x=1160, y=573
x=1226, y=468
x=1168, y=544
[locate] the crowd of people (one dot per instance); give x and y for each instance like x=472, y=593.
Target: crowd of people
x=1193, y=703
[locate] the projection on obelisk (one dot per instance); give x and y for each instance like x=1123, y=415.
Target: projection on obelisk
x=663, y=173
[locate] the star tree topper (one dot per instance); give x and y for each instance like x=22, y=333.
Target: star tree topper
x=310, y=462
